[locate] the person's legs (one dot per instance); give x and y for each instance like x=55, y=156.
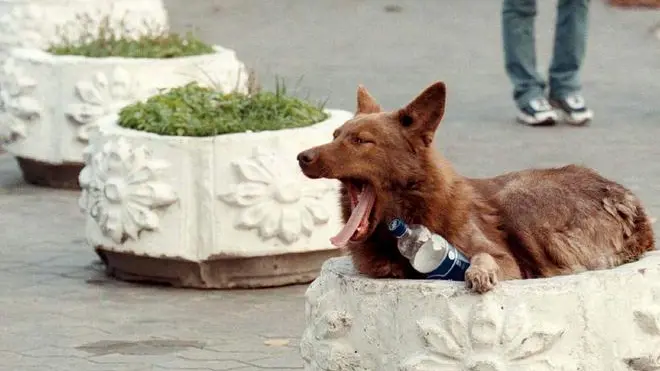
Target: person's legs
x=568, y=54
x=569, y=47
x=520, y=62
x=520, y=50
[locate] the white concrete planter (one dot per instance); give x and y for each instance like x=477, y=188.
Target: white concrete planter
x=602, y=320
x=38, y=23
x=216, y=212
x=50, y=104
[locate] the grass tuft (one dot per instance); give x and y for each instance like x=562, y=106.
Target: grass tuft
x=103, y=39
x=197, y=111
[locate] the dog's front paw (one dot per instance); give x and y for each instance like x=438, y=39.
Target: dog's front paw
x=479, y=279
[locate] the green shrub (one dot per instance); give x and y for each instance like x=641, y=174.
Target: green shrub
x=105, y=40
x=197, y=111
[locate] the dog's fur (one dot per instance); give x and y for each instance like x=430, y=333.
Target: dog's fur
x=525, y=224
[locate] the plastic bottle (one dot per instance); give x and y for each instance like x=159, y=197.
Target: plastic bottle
x=428, y=252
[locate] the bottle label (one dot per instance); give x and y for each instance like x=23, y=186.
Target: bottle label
x=453, y=266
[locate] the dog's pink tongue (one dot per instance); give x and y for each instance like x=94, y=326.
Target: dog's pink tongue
x=360, y=212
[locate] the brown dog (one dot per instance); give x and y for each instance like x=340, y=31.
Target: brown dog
x=526, y=224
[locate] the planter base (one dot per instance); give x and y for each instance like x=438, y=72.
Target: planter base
x=43, y=174
x=225, y=273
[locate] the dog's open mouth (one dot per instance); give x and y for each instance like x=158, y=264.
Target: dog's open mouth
x=363, y=198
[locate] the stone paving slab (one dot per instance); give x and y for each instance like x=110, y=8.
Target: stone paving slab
x=58, y=312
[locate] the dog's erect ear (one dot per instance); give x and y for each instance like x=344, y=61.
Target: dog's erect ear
x=424, y=113
x=365, y=102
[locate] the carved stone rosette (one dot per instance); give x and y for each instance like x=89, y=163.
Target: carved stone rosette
x=217, y=212
x=600, y=320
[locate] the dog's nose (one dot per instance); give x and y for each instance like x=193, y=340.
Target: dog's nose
x=307, y=157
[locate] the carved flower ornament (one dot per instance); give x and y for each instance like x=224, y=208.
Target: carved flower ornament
x=275, y=198
x=121, y=190
x=17, y=107
x=492, y=340
x=100, y=96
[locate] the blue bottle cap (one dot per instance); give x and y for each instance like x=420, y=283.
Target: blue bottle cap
x=397, y=227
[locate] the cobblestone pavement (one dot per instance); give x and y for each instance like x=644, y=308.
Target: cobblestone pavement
x=59, y=312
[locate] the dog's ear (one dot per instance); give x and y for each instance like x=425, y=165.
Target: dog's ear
x=424, y=113
x=365, y=102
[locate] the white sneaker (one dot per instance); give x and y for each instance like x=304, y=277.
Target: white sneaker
x=574, y=109
x=537, y=112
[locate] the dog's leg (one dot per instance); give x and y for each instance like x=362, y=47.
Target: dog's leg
x=367, y=261
x=387, y=269
x=482, y=276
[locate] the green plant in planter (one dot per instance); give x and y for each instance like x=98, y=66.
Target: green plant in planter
x=102, y=40
x=194, y=110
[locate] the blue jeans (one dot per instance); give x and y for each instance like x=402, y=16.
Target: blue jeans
x=520, y=49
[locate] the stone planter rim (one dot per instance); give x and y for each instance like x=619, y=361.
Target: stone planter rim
x=342, y=267
x=40, y=55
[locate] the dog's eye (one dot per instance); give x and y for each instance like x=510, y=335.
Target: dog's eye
x=358, y=140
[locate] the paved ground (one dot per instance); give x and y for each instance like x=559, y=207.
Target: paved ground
x=58, y=311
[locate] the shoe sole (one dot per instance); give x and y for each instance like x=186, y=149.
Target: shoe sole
x=550, y=120
x=581, y=120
